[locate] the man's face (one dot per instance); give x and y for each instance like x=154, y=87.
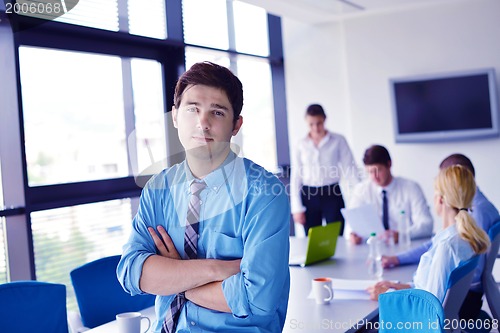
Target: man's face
x=380, y=174
x=316, y=126
x=205, y=122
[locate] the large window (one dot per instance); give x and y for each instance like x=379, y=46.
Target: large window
x=75, y=115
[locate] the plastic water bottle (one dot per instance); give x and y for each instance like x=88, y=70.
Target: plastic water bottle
x=404, y=230
x=375, y=269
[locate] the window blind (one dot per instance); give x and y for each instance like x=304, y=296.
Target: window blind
x=65, y=238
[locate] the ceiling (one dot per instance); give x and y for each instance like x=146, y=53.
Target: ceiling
x=321, y=11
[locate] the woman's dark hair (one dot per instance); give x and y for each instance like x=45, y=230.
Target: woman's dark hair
x=212, y=75
x=376, y=154
x=315, y=110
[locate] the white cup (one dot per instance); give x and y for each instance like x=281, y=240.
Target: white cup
x=322, y=290
x=130, y=322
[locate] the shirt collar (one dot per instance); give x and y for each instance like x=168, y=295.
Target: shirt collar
x=326, y=138
x=218, y=177
x=389, y=187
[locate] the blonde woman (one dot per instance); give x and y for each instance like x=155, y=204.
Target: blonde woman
x=460, y=239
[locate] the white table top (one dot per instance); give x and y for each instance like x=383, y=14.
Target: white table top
x=303, y=314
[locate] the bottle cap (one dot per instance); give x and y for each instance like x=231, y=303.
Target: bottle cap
x=373, y=234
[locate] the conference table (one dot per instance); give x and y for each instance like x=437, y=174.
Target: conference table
x=342, y=314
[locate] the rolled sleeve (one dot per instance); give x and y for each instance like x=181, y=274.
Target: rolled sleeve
x=263, y=284
x=139, y=246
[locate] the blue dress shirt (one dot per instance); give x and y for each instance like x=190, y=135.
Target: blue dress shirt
x=245, y=214
x=485, y=215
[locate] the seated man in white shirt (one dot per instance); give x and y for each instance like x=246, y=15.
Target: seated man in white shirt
x=400, y=194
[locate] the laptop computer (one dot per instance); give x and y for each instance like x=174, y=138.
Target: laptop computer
x=321, y=245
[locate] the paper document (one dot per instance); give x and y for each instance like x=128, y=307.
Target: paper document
x=363, y=220
x=345, y=284
x=350, y=289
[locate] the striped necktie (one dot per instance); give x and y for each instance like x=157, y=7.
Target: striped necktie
x=191, y=250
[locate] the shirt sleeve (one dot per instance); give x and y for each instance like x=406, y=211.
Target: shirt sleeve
x=263, y=284
x=139, y=245
x=413, y=256
x=296, y=183
x=421, y=218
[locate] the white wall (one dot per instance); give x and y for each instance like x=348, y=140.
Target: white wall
x=349, y=75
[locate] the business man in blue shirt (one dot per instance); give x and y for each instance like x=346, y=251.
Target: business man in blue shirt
x=236, y=224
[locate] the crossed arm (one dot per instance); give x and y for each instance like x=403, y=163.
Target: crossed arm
x=200, y=279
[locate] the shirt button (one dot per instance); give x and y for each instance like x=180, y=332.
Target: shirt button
x=201, y=202
x=193, y=323
x=215, y=188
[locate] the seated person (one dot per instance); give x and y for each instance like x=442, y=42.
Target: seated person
x=460, y=239
x=484, y=213
x=391, y=195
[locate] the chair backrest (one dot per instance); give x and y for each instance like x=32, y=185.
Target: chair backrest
x=490, y=286
x=100, y=296
x=418, y=310
x=458, y=286
x=33, y=306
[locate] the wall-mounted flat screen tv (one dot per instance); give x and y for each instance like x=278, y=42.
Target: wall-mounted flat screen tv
x=444, y=107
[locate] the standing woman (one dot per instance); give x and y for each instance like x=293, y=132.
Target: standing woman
x=460, y=239
x=321, y=160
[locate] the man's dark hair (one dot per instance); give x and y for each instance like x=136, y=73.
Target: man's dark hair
x=315, y=110
x=458, y=159
x=376, y=154
x=212, y=75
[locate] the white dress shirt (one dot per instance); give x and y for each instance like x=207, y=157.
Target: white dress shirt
x=402, y=194
x=320, y=165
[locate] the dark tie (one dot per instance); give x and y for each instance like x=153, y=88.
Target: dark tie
x=385, y=210
x=191, y=250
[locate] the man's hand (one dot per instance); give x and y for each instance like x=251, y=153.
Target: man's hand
x=355, y=238
x=166, y=248
x=390, y=261
x=164, y=245
x=299, y=218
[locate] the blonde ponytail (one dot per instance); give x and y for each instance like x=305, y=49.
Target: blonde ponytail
x=471, y=232
x=458, y=187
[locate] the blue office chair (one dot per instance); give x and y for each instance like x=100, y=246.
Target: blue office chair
x=490, y=286
x=33, y=306
x=457, y=288
x=100, y=296
x=418, y=310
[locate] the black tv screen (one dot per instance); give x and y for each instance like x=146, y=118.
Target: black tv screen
x=442, y=107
